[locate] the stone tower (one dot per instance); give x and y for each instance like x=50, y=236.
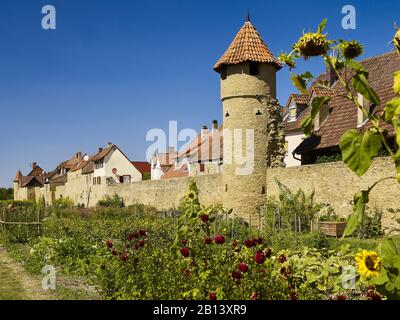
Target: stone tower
x=252, y=123
x=16, y=183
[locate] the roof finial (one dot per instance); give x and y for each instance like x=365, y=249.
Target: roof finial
x=248, y=16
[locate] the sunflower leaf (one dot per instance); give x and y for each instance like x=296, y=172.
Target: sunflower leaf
x=360, y=201
x=362, y=86
x=396, y=85
x=316, y=104
x=358, y=149
x=322, y=25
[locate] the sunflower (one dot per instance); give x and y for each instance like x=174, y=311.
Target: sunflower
x=396, y=40
x=312, y=45
x=191, y=195
x=368, y=264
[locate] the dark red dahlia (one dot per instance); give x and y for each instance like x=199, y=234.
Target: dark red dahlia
x=341, y=297
x=254, y=296
x=185, y=252
x=132, y=236
x=136, y=247
x=124, y=256
x=293, y=296
x=236, y=275
x=282, y=258
x=109, y=244
x=184, y=242
x=207, y=240
x=142, y=233
x=249, y=243
x=372, y=295
x=259, y=240
x=259, y=257
x=204, y=218
x=243, y=267
x=283, y=271
x=114, y=252
x=141, y=243
x=219, y=239
x=268, y=253
x=213, y=296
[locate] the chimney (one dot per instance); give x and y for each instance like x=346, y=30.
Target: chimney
x=79, y=155
x=100, y=150
x=214, y=125
x=34, y=165
x=204, y=131
x=171, y=149
x=109, y=144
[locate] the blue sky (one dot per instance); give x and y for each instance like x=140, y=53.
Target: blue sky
x=112, y=70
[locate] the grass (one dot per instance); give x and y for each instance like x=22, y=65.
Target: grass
x=10, y=287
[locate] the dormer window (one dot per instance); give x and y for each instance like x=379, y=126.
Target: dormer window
x=361, y=116
x=293, y=113
x=98, y=164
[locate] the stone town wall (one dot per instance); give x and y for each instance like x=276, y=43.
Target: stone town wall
x=334, y=183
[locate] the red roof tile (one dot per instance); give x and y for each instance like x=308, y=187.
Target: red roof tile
x=247, y=46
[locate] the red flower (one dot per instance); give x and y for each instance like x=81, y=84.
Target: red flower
x=136, y=247
x=259, y=257
x=142, y=233
x=236, y=275
x=269, y=253
x=372, y=295
x=186, y=272
x=259, y=240
x=283, y=271
x=204, y=218
x=282, y=258
x=243, y=267
x=254, y=296
x=249, y=243
x=213, y=296
x=219, y=239
x=132, y=236
x=109, y=244
x=114, y=252
x=141, y=243
x=184, y=242
x=207, y=240
x=124, y=256
x=342, y=297
x=185, y=252
x=293, y=296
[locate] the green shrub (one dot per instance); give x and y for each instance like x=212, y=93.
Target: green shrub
x=112, y=201
x=293, y=211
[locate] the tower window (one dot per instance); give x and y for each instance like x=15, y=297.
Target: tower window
x=223, y=73
x=258, y=113
x=226, y=188
x=263, y=190
x=227, y=113
x=253, y=70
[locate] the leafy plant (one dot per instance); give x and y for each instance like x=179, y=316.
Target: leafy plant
x=358, y=147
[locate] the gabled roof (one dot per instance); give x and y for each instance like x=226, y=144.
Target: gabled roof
x=142, y=166
x=26, y=181
x=343, y=114
x=247, y=46
x=104, y=152
x=36, y=171
x=176, y=173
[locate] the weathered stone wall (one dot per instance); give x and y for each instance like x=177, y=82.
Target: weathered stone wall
x=334, y=183
x=165, y=194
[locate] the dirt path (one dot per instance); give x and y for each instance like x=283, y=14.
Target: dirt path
x=17, y=284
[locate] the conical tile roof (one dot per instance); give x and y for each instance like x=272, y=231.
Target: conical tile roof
x=247, y=46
